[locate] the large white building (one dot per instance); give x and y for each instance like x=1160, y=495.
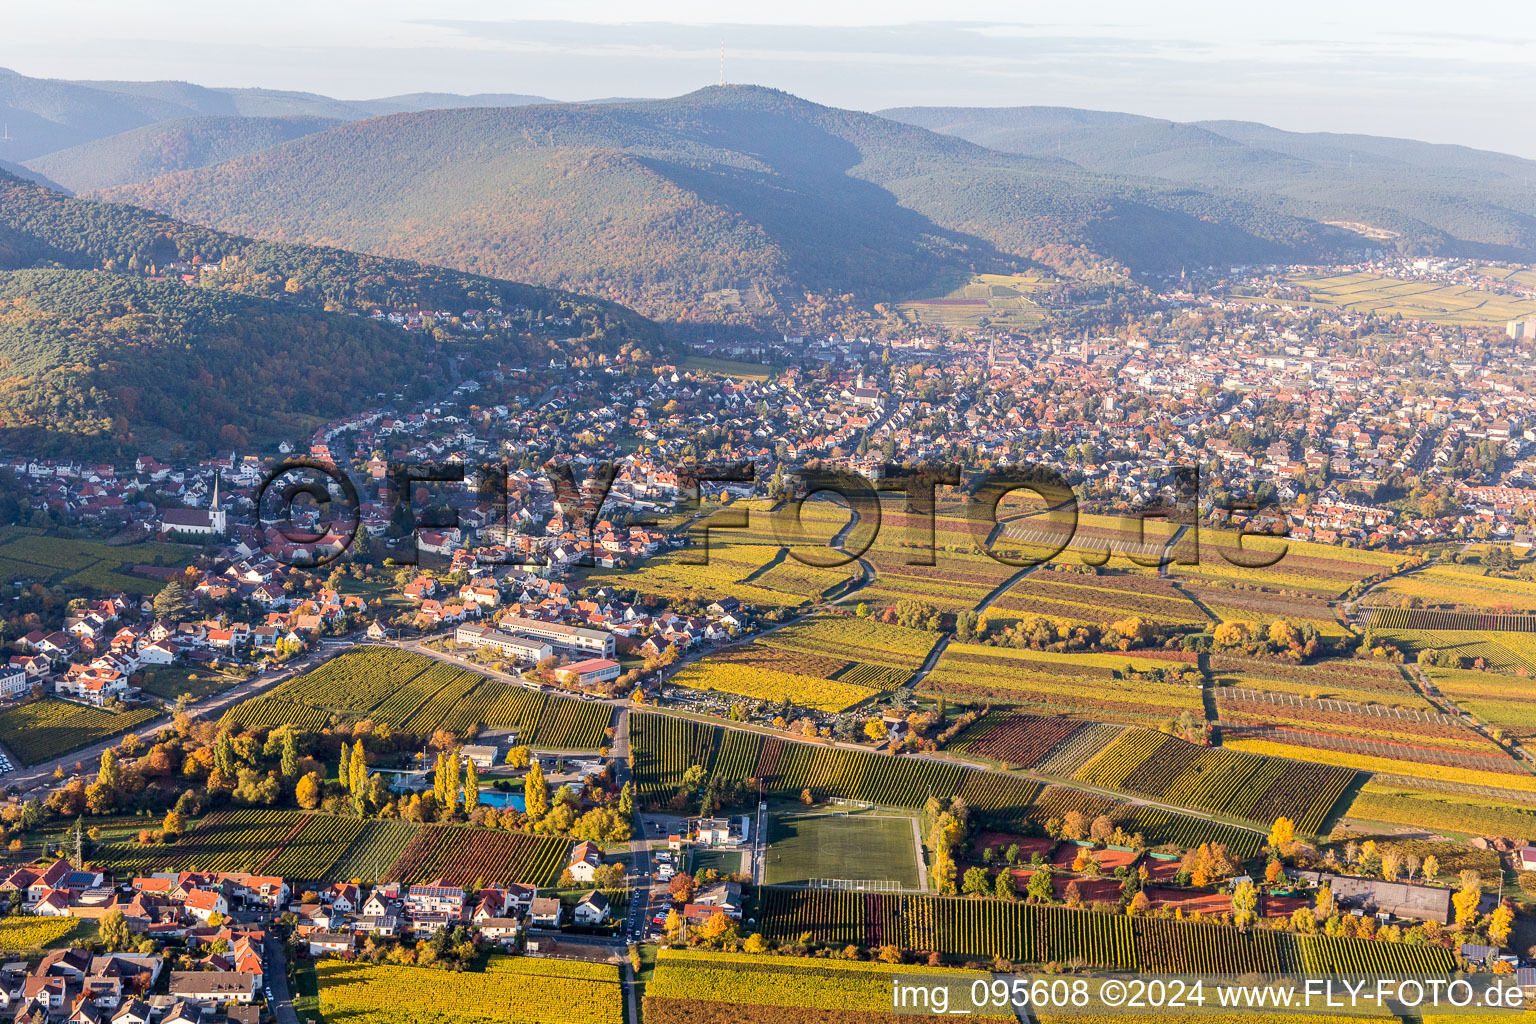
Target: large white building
x=518, y=648
x=571, y=638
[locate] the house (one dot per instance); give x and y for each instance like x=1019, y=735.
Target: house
x=48, y=992
x=586, y=858
x=342, y=896
x=726, y=896
x=70, y=964
x=204, y=903
x=592, y=908
x=545, y=912
x=1527, y=855
x=330, y=943
x=213, y=987
x=377, y=904
x=422, y=900
x=55, y=903
x=134, y=1011
x=14, y=681
x=502, y=930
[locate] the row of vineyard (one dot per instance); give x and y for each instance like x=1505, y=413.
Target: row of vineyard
x=420, y=695
x=1429, y=618
x=664, y=748
x=1249, y=786
x=1027, y=933
x=479, y=857
x=320, y=847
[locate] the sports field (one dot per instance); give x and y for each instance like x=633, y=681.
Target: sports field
x=864, y=847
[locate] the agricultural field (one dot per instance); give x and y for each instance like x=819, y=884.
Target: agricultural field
x=1461, y=587
x=1314, y=572
x=27, y=555
x=479, y=857
x=1457, y=813
x=866, y=847
x=859, y=640
x=298, y=844
x=41, y=730
x=1364, y=761
x=1413, y=736
x=1357, y=680
x=1419, y=300
x=1015, y=739
x=1101, y=598
x=534, y=990
x=728, y=368
x=986, y=300
x=419, y=695
x=750, y=564
x=691, y=987
x=169, y=682
x=1030, y=934
x=1131, y=688
x=826, y=662
x=1219, y=780
x=1505, y=703
x=664, y=748
x=771, y=685
x=26, y=934
x=1500, y=651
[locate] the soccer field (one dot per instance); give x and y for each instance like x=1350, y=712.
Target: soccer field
x=858, y=846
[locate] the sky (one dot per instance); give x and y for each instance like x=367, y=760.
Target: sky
x=1443, y=72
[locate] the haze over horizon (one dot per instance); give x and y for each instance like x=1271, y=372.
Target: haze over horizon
x=1434, y=75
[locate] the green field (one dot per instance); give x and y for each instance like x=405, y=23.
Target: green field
x=83, y=564
x=997, y=300
x=43, y=729
x=726, y=862
x=171, y=681
x=864, y=847
x=1422, y=300
x=728, y=368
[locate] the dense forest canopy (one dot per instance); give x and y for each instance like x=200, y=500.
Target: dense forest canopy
x=102, y=350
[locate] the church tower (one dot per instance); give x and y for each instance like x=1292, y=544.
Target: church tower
x=216, y=514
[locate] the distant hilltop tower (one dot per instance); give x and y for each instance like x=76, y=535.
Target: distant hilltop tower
x=722, y=62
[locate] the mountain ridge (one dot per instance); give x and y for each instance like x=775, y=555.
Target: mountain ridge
x=97, y=351
x=736, y=190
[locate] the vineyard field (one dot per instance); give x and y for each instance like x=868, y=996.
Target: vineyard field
x=1027, y=933
x=542, y=991
x=1220, y=780
x=1132, y=689
x=685, y=979
x=41, y=730
x=664, y=748
x=419, y=695
x=479, y=857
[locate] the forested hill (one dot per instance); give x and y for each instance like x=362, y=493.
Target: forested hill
x=733, y=200
x=45, y=115
x=99, y=353
x=1417, y=196
x=167, y=146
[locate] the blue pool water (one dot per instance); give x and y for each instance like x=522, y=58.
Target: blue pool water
x=496, y=798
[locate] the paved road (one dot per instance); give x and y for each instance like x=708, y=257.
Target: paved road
x=281, y=1003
